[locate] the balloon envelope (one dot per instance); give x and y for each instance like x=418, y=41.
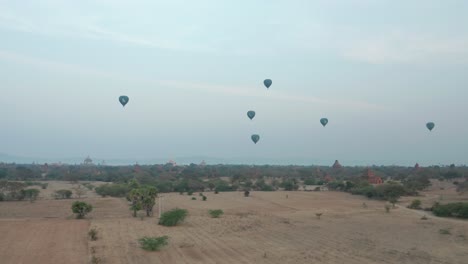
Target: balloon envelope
x=251, y=114
x=324, y=121
x=255, y=138
x=430, y=126
x=267, y=83
x=123, y=100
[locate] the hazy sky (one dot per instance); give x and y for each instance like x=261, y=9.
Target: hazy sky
x=379, y=70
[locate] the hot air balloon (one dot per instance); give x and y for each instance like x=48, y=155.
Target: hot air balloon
x=255, y=138
x=267, y=83
x=324, y=121
x=430, y=126
x=123, y=100
x=251, y=114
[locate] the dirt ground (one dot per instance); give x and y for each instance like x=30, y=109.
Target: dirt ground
x=43, y=241
x=268, y=227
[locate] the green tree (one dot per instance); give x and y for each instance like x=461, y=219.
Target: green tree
x=143, y=199
x=81, y=209
x=63, y=194
x=415, y=204
x=30, y=194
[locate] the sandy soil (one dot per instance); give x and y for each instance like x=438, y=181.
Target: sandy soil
x=268, y=227
x=43, y=241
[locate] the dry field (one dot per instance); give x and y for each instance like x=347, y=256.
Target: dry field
x=268, y=227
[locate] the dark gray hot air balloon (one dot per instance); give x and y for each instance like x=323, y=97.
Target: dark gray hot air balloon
x=324, y=121
x=430, y=126
x=255, y=138
x=123, y=100
x=251, y=114
x=267, y=83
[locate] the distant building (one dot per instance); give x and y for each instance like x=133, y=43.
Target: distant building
x=136, y=168
x=328, y=178
x=370, y=176
x=172, y=163
x=88, y=161
x=417, y=167
x=337, y=165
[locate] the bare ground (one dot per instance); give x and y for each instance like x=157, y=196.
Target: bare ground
x=268, y=227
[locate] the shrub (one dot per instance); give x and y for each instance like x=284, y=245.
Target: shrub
x=204, y=198
x=452, y=209
x=444, y=231
x=189, y=192
x=246, y=193
x=114, y=190
x=153, y=243
x=30, y=194
x=81, y=209
x=216, y=213
x=318, y=215
x=415, y=204
x=200, y=194
x=63, y=194
x=216, y=191
x=92, y=233
x=173, y=217
x=387, y=208
x=89, y=186
x=194, y=198
x=95, y=260
x=424, y=217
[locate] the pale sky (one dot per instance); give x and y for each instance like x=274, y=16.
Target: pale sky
x=378, y=70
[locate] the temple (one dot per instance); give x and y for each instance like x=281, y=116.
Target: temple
x=337, y=165
x=371, y=177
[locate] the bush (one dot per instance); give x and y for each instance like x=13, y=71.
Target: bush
x=459, y=210
x=415, y=204
x=246, y=193
x=173, y=217
x=89, y=186
x=114, y=190
x=81, y=209
x=153, y=243
x=95, y=260
x=189, y=192
x=204, y=198
x=444, y=231
x=216, y=191
x=63, y=194
x=368, y=191
x=216, y=213
x=30, y=194
x=387, y=208
x=194, y=198
x=93, y=234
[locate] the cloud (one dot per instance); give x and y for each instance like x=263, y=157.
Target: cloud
x=406, y=48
